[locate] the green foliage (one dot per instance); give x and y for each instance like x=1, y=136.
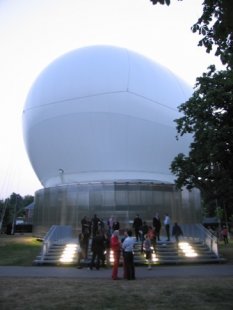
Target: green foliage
x=14, y=206
x=219, y=213
x=208, y=117
x=27, y=200
x=216, y=27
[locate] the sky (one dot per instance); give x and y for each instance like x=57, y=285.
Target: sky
x=33, y=33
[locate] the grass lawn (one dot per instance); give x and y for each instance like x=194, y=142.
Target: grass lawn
x=18, y=250
x=227, y=251
x=104, y=294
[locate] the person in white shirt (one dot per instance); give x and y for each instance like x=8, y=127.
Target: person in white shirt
x=128, y=246
x=167, y=222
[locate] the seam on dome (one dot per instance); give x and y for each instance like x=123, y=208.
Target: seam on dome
x=74, y=98
x=154, y=101
x=68, y=114
x=98, y=95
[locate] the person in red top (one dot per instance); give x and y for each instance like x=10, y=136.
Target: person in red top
x=116, y=248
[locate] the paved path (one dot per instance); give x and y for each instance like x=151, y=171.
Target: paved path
x=183, y=271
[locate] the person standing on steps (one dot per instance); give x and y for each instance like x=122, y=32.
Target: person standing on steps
x=95, y=225
x=137, y=225
x=167, y=222
x=85, y=224
x=115, y=224
x=177, y=231
x=157, y=225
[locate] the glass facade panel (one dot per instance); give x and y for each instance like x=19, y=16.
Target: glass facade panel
x=68, y=204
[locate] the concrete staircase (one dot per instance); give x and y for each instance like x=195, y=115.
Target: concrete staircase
x=171, y=253
x=56, y=253
x=168, y=253
x=165, y=253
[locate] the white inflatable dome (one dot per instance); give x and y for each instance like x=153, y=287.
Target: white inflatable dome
x=103, y=113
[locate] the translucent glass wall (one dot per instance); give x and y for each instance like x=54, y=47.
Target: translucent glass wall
x=68, y=204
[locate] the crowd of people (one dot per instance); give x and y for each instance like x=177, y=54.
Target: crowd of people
x=105, y=238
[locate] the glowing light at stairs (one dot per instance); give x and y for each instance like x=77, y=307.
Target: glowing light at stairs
x=69, y=253
x=187, y=249
x=154, y=258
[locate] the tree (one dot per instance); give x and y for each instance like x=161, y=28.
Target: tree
x=13, y=207
x=208, y=114
x=2, y=213
x=27, y=200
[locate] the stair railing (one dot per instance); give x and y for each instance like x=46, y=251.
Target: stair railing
x=200, y=233
x=56, y=233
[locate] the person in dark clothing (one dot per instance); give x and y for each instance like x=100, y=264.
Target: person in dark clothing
x=95, y=225
x=85, y=224
x=86, y=238
x=157, y=225
x=86, y=233
x=115, y=225
x=81, y=250
x=177, y=232
x=97, y=249
x=101, y=225
x=137, y=225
